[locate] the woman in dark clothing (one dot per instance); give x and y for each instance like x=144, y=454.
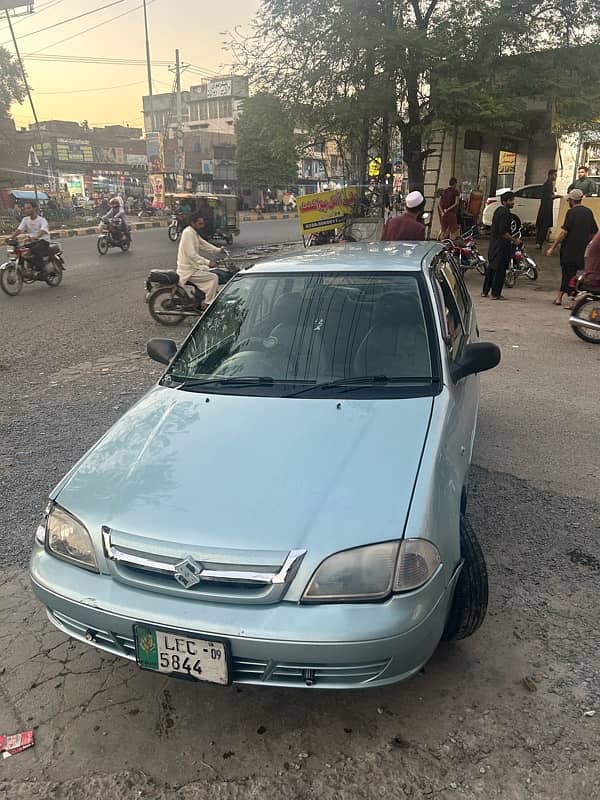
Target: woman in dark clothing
x=545, y=217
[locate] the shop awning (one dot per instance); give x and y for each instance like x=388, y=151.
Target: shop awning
x=19, y=195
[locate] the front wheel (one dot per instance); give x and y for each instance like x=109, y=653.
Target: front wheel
x=511, y=278
x=125, y=245
x=532, y=272
x=469, y=605
x=56, y=278
x=229, y=239
x=173, y=233
x=481, y=265
x=102, y=245
x=587, y=309
x=11, y=280
x=164, y=303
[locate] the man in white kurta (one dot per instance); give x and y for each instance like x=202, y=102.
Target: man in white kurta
x=194, y=267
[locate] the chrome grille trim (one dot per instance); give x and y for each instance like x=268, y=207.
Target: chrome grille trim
x=167, y=566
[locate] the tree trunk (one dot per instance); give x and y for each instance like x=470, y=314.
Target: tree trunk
x=413, y=157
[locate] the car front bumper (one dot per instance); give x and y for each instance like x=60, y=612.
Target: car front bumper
x=333, y=646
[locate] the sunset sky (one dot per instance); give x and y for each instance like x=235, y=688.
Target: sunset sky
x=60, y=89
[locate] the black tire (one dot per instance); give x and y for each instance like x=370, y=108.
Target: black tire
x=11, y=281
x=125, y=245
x=229, y=239
x=532, y=273
x=586, y=306
x=469, y=605
x=173, y=233
x=56, y=279
x=481, y=266
x=160, y=299
x=510, y=279
x=102, y=245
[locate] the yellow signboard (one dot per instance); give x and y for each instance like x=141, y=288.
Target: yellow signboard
x=324, y=211
x=507, y=162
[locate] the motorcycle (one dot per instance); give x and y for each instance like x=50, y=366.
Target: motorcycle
x=148, y=211
x=169, y=302
x=112, y=235
x=464, y=249
x=175, y=228
x=520, y=264
x=585, y=315
x=19, y=270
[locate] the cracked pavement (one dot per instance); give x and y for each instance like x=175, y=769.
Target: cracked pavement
x=500, y=715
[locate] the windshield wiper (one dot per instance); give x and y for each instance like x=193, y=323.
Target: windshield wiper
x=361, y=382
x=198, y=383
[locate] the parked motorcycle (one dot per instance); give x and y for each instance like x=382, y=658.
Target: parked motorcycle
x=169, y=302
x=148, y=211
x=585, y=315
x=520, y=264
x=112, y=235
x=464, y=249
x=19, y=270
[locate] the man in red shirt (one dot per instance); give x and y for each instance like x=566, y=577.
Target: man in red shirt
x=407, y=227
x=591, y=272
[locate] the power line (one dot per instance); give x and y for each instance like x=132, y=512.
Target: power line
x=39, y=10
x=98, y=89
x=64, y=21
x=92, y=59
x=92, y=28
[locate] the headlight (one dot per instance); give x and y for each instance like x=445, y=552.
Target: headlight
x=365, y=573
x=417, y=562
x=66, y=538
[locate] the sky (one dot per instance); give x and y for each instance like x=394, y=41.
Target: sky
x=61, y=90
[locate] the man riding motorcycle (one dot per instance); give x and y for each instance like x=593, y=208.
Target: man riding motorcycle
x=192, y=267
x=36, y=228
x=116, y=215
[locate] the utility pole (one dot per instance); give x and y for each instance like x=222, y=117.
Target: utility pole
x=149, y=67
x=179, y=151
x=26, y=82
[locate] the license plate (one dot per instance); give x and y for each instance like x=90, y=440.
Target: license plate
x=184, y=656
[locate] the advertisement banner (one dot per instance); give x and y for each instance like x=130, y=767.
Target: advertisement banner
x=136, y=160
x=155, y=151
x=157, y=184
x=324, y=211
x=507, y=162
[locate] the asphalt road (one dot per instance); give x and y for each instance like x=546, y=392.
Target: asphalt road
x=499, y=715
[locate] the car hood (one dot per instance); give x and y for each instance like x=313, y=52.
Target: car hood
x=253, y=472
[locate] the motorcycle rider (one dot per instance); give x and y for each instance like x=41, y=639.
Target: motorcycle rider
x=192, y=266
x=116, y=215
x=36, y=228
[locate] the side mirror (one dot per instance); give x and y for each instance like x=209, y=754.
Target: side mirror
x=161, y=350
x=476, y=357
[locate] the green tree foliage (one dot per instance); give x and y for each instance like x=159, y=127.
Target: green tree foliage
x=267, y=150
x=359, y=68
x=12, y=88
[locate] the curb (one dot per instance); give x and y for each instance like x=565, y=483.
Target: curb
x=261, y=217
x=71, y=233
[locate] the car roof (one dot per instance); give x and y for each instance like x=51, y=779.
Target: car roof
x=355, y=257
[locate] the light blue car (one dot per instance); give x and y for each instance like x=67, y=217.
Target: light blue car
x=287, y=506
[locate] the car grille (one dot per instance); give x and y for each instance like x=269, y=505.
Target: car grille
x=243, y=670
x=220, y=575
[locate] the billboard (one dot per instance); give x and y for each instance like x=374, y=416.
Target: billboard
x=155, y=151
x=219, y=88
x=157, y=184
x=324, y=211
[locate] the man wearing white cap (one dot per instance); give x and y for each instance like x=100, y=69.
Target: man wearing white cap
x=407, y=227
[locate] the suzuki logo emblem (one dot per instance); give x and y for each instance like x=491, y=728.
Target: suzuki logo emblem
x=188, y=572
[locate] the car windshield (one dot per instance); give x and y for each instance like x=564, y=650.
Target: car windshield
x=287, y=332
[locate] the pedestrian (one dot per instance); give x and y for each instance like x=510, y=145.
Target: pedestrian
x=545, y=216
x=585, y=184
x=407, y=227
x=577, y=231
x=591, y=271
x=192, y=266
x=449, y=202
x=502, y=238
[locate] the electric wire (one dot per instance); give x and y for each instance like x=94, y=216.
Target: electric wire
x=65, y=21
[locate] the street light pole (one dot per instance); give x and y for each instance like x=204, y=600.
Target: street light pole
x=149, y=67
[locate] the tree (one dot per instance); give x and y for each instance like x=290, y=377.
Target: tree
x=12, y=87
x=267, y=149
x=372, y=66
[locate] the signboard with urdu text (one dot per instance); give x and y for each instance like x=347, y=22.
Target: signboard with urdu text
x=324, y=211
x=155, y=151
x=157, y=182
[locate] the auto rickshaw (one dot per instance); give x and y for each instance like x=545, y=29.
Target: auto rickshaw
x=219, y=212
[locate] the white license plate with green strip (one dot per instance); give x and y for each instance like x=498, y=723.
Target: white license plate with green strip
x=175, y=654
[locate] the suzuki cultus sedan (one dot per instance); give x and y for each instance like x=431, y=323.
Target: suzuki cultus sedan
x=287, y=505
